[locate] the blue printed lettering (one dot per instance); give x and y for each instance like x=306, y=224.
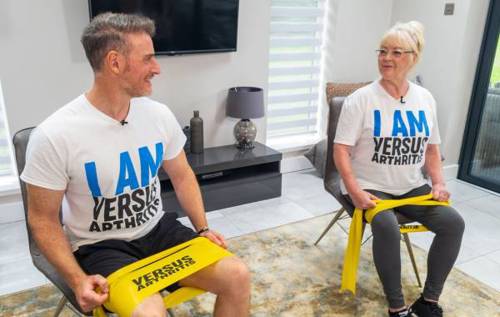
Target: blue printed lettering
x=148, y=164
x=420, y=124
x=376, y=123
x=398, y=125
x=127, y=177
x=90, y=172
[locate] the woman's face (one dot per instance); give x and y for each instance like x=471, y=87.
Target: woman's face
x=394, y=60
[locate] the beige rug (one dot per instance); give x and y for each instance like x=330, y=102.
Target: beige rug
x=292, y=277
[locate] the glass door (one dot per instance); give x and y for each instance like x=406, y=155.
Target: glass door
x=480, y=156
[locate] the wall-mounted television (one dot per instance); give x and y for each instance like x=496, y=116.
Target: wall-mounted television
x=182, y=26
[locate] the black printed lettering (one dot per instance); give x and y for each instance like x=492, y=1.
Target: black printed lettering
x=136, y=197
x=98, y=203
x=124, y=206
x=108, y=208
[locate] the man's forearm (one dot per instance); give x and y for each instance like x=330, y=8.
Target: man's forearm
x=54, y=245
x=188, y=193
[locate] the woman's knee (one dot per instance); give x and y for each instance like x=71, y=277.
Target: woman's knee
x=385, y=223
x=456, y=223
x=451, y=222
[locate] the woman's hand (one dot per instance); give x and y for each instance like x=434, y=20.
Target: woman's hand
x=363, y=199
x=440, y=193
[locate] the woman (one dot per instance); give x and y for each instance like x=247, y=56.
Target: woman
x=387, y=132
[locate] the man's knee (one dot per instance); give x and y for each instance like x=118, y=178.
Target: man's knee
x=237, y=277
x=151, y=307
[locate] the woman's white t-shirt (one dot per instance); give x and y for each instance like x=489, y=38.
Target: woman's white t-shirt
x=388, y=138
x=109, y=171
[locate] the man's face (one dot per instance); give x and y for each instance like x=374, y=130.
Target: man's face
x=141, y=65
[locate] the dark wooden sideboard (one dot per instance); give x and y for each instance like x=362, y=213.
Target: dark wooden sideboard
x=230, y=177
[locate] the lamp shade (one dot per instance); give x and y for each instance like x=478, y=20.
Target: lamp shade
x=245, y=102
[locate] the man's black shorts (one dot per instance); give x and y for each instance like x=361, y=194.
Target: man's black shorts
x=107, y=256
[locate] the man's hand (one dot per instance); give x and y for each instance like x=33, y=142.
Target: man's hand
x=215, y=237
x=91, y=292
x=363, y=199
x=440, y=193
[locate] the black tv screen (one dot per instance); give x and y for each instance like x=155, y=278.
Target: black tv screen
x=182, y=26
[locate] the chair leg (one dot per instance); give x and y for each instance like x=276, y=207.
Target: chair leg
x=412, y=257
x=60, y=306
x=334, y=220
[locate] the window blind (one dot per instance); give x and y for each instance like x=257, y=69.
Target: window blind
x=294, y=67
x=6, y=167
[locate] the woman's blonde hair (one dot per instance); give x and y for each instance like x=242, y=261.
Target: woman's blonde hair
x=408, y=35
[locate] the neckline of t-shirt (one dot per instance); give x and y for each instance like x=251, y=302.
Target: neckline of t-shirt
x=101, y=114
x=409, y=92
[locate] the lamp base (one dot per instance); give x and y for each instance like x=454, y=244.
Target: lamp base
x=245, y=132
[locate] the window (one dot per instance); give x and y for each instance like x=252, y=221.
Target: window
x=294, y=67
x=8, y=179
x=480, y=157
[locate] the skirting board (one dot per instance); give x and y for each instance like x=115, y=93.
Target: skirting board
x=12, y=210
x=298, y=163
x=294, y=164
x=450, y=171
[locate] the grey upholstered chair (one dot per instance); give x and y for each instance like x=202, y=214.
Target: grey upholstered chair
x=68, y=299
x=20, y=141
x=332, y=183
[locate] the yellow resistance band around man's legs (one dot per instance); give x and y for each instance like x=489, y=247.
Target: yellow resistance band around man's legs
x=351, y=257
x=131, y=284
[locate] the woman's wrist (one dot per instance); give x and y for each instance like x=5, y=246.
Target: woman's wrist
x=441, y=183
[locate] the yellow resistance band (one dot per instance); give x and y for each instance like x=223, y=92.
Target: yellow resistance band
x=351, y=257
x=131, y=284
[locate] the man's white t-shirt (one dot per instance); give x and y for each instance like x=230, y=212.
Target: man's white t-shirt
x=388, y=138
x=109, y=171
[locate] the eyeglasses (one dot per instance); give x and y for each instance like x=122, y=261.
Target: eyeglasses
x=397, y=53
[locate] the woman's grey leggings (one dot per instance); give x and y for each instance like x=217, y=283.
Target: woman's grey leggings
x=444, y=221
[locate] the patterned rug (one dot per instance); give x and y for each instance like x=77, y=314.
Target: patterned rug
x=292, y=277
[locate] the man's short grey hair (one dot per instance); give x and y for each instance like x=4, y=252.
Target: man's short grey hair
x=107, y=32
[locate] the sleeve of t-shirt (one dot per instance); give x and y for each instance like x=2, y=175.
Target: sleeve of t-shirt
x=435, y=137
x=349, y=126
x=44, y=166
x=175, y=138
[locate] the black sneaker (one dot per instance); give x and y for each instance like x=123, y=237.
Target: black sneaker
x=423, y=308
x=402, y=313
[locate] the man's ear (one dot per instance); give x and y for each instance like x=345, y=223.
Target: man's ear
x=115, y=62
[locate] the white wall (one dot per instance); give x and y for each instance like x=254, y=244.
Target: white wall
x=354, y=31
x=449, y=60
x=43, y=66
x=354, y=28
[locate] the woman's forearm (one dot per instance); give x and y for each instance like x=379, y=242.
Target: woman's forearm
x=433, y=164
x=342, y=158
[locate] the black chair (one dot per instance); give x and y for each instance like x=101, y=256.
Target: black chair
x=20, y=141
x=331, y=183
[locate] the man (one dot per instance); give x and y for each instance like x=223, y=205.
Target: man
x=102, y=152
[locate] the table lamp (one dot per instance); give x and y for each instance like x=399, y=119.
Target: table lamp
x=245, y=103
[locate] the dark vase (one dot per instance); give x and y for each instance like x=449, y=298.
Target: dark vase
x=187, y=133
x=196, y=125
